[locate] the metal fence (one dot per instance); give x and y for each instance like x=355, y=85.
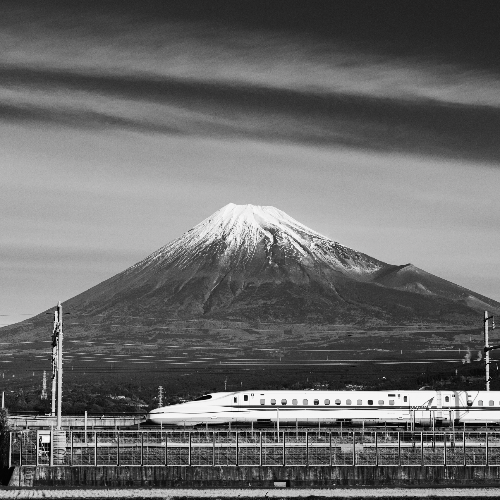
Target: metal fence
x=253, y=448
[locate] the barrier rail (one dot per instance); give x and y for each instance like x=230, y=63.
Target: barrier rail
x=254, y=448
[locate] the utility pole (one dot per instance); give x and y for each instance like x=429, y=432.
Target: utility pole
x=57, y=339
x=59, y=368
x=160, y=396
x=54, y=364
x=487, y=347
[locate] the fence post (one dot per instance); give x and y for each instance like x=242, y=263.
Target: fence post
x=284, y=452
x=189, y=449
x=237, y=449
x=307, y=447
x=331, y=463
x=118, y=448
x=487, y=450
x=260, y=453
x=465, y=456
x=213, y=449
x=51, y=458
x=95, y=448
x=10, y=449
x=353, y=448
x=444, y=449
x=166, y=449
x=37, y=447
x=399, y=449
x=376, y=449
x=422, y=448
x=142, y=448
x=71, y=448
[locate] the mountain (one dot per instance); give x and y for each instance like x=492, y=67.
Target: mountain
x=249, y=262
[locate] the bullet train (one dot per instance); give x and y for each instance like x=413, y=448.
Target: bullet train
x=307, y=407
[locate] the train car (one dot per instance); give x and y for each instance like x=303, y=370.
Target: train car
x=309, y=407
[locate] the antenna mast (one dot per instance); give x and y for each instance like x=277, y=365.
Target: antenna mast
x=160, y=396
x=44, y=386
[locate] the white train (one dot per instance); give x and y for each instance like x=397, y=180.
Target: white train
x=423, y=407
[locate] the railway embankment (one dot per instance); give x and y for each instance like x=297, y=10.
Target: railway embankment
x=252, y=459
x=252, y=477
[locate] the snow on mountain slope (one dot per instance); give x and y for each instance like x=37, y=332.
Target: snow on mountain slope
x=235, y=234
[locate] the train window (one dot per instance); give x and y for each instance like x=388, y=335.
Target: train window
x=245, y=397
x=316, y=402
x=305, y=402
x=262, y=401
x=391, y=395
x=235, y=399
x=360, y=402
x=337, y=401
x=283, y=402
x=348, y=402
x=491, y=403
x=391, y=402
x=480, y=402
x=273, y=401
x=447, y=399
x=370, y=401
x=294, y=402
x=327, y=401
x=381, y=402
x=405, y=399
x=203, y=398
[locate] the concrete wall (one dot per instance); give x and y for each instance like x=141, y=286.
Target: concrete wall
x=252, y=477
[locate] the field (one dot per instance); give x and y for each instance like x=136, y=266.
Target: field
x=120, y=368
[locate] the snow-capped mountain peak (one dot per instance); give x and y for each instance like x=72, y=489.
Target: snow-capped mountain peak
x=239, y=235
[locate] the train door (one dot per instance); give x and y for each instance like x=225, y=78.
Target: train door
x=421, y=407
x=438, y=413
x=460, y=405
x=463, y=403
x=404, y=403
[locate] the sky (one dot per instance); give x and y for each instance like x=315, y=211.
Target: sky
x=125, y=123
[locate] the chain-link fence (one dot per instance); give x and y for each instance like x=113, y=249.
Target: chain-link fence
x=254, y=448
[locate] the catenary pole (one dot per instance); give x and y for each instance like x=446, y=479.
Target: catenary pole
x=487, y=352
x=54, y=364
x=59, y=367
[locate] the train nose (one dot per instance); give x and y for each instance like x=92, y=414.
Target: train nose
x=150, y=417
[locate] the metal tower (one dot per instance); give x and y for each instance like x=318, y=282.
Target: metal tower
x=44, y=386
x=160, y=396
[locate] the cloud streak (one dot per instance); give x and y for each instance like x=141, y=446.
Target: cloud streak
x=153, y=104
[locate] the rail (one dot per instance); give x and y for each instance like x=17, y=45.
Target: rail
x=253, y=448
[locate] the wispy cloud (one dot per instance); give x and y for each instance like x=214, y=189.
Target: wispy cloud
x=155, y=104
x=388, y=76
